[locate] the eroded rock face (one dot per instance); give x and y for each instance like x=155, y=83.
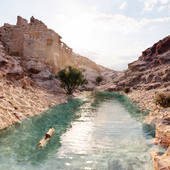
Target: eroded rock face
x=35, y=67
x=161, y=162
x=154, y=56
x=138, y=65
x=162, y=136
x=158, y=48
x=8, y=66
x=150, y=71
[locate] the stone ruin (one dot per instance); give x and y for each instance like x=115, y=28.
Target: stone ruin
x=21, y=21
x=36, y=42
x=40, y=51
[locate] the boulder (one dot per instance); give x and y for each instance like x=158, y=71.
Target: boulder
x=161, y=162
x=16, y=71
x=43, y=74
x=34, y=67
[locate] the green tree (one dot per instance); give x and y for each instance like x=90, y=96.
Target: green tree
x=71, y=78
x=99, y=79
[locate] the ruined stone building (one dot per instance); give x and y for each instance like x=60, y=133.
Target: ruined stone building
x=40, y=50
x=35, y=40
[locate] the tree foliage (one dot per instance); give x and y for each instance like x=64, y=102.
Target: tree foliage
x=71, y=78
x=99, y=79
x=51, y=77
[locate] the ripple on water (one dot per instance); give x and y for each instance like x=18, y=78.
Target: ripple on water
x=98, y=131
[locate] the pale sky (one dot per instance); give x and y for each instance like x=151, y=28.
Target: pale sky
x=112, y=33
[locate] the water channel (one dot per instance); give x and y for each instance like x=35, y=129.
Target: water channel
x=99, y=130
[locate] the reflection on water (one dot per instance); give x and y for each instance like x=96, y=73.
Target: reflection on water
x=98, y=131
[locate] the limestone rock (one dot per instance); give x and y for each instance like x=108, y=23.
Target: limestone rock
x=44, y=74
x=161, y=162
x=150, y=71
x=15, y=73
x=34, y=67
x=137, y=66
x=159, y=48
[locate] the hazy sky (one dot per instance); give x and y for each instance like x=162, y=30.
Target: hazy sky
x=112, y=33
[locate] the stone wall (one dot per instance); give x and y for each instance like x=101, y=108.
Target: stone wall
x=21, y=21
x=36, y=42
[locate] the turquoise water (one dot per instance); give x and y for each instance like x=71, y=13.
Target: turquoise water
x=100, y=130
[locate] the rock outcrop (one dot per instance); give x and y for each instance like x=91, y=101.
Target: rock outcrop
x=153, y=56
x=161, y=162
x=150, y=71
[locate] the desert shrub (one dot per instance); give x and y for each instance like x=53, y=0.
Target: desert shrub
x=71, y=78
x=127, y=89
x=56, y=77
x=162, y=99
x=168, y=99
x=51, y=77
x=99, y=79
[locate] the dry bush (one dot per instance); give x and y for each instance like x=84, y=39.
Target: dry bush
x=162, y=99
x=127, y=89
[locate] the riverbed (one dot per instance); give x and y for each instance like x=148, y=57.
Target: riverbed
x=99, y=130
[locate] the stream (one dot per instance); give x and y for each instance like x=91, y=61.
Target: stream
x=99, y=130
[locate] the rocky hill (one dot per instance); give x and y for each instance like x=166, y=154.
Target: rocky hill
x=21, y=96
x=29, y=54
x=146, y=77
x=150, y=71
x=40, y=51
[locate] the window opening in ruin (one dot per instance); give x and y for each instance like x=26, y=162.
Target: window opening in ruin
x=49, y=42
x=15, y=53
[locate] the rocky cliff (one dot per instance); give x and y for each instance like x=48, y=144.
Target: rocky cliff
x=146, y=77
x=150, y=71
x=152, y=75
